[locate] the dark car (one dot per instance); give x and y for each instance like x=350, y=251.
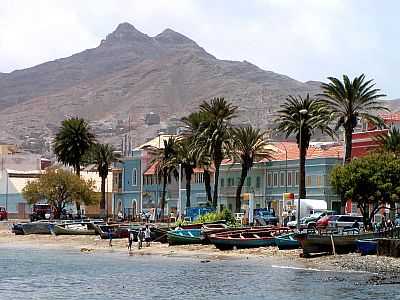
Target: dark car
x=265, y=216
x=39, y=212
x=3, y=214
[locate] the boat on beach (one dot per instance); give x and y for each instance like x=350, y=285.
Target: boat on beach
x=118, y=231
x=246, y=238
x=286, y=242
x=343, y=242
x=367, y=246
x=74, y=229
x=184, y=236
x=37, y=227
x=199, y=225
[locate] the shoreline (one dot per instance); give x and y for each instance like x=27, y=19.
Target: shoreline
x=384, y=270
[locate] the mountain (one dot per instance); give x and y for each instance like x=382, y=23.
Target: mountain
x=129, y=75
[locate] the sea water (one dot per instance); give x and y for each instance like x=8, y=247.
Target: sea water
x=54, y=274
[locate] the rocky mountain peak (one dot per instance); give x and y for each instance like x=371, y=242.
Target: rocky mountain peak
x=168, y=36
x=126, y=33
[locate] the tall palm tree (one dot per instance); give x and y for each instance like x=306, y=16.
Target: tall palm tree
x=166, y=165
x=103, y=155
x=351, y=100
x=214, y=139
x=249, y=145
x=195, y=124
x=302, y=116
x=391, y=141
x=187, y=158
x=71, y=143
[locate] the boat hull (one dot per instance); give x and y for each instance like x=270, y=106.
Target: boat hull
x=286, y=242
x=60, y=230
x=367, y=247
x=184, y=237
x=37, y=228
x=313, y=243
x=226, y=243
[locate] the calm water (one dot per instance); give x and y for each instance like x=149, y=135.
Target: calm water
x=46, y=274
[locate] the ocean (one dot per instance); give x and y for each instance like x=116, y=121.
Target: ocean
x=54, y=274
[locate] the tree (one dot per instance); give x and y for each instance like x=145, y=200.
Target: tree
x=390, y=142
x=371, y=181
x=166, y=165
x=214, y=138
x=195, y=124
x=187, y=159
x=59, y=188
x=248, y=145
x=103, y=155
x=351, y=100
x=302, y=116
x=71, y=143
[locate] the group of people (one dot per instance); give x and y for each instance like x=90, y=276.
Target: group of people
x=144, y=234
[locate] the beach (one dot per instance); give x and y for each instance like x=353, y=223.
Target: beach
x=386, y=269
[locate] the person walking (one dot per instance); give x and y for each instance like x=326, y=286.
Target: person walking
x=110, y=237
x=140, y=238
x=130, y=240
x=147, y=235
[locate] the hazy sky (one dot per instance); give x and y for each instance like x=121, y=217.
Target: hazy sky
x=307, y=40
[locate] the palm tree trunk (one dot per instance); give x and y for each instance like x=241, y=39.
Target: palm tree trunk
x=243, y=176
x=78, y=203
x=348, y=140
x=164, y=192
x=215, y=198
x=103, y=196
x=188, y=174
x=302, y=185
x=207, y=185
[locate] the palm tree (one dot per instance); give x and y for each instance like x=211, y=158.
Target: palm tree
x=249, y=145
x=166, y=163
x=302, y=116
x=351, y=100
x=187, y=158
x=103, y=155
x=391, y=141
x=195, y=124
x=214, y=139
x=71, y=143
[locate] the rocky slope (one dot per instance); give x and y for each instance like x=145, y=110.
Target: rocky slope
x=128, y=75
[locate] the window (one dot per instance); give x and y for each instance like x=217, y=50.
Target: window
x=282, y=179
x=308, y=180
x=289, y=178
x=248, y=181
x=269, y=181
x=134, y=177
x=222, y=182
x=318, y=178
x=275, y=179
x=258, y=182
x=297, y=178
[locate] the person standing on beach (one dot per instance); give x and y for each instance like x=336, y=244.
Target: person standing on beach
x=130, y=240
x=147, y=235
x=140, y=238
x=110, y=237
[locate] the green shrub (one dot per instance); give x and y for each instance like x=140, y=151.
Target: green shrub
x=225, y=214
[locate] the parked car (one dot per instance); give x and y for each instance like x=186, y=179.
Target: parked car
x=323, y=222
x=311, y=220
x=345, y=221
x=40, y=212
x=266, y=216
x=3, y=213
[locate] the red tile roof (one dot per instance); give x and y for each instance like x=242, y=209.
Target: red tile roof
x=292, y=150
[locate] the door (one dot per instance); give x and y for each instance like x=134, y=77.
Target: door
x=21, y=210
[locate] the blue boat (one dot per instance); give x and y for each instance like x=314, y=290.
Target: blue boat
x=287, y=241
x=367, y=246
x=184, y=236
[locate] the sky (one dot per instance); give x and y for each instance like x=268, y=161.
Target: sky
x=304, y=39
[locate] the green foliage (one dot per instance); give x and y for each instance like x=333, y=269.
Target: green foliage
x=58, y=188
x=373, y=180
x=390, y=142
x=225, y=214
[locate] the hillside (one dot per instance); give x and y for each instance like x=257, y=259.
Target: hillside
x=127, y=76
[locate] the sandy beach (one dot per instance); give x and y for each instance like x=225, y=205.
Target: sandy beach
x=385, y=269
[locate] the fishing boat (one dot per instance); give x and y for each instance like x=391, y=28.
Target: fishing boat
x=199, y=225
x=159, y=234
x=367, y=246
x=17, y=229
x=286, y=241
x=74, y=229
x=38, y=227
x=184, y=236
x=343, y=242
x=246, y=238
x=117, y=231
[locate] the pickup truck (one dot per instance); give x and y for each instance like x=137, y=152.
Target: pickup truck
x=3, y=214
